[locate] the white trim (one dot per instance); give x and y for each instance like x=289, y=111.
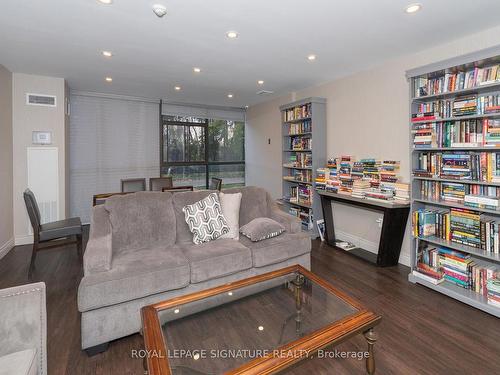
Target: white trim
x=38, y=104
x=6, y=247
x=370, y=246
x=23, y=240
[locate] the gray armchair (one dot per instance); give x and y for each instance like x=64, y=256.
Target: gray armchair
x=23, y=330
x=44, y=235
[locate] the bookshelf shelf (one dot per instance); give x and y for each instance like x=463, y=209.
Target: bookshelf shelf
x=473, y=90
x=308, y=132
x=456, y=246
x=468, y=182
x=464, y=295
x=472, y=128
x=455, y=205
x=459, y=118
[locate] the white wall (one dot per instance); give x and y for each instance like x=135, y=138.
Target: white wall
x=367, y=115
x=6, y=224
x=25, y=120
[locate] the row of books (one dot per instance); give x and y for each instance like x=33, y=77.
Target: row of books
x=451, y=82
x=468, y=133
x=299, y=175
x=443, y=108
x=302, y=194
x=443, y=264
x=300, y=160
x=300, y=127
x=470, y=166
x=296, y=113
x=456, y=192
x=462, y=226
x=303, y=214
x=366, y=178
x=300, y=143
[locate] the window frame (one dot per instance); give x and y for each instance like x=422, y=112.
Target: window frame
x=164, y=121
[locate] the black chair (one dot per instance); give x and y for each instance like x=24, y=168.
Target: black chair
x=215, y=184
x=178, y=189
x=158, y=183
x=131, y=185
x=49, y=235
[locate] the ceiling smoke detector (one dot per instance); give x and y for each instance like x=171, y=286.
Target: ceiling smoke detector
x=159, y=10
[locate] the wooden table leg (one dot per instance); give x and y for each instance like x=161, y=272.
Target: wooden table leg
x=371, y=338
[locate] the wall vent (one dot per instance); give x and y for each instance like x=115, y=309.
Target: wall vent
x=41, y=100
x=265, y=92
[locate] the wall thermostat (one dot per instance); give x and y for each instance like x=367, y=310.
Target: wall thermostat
x=41, y=138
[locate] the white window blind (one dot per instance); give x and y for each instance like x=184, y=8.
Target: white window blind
x=110, y=139
x=219, y=113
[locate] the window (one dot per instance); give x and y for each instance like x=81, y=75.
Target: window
x=196, y=149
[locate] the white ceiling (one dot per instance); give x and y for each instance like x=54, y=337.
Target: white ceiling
x=64, y=38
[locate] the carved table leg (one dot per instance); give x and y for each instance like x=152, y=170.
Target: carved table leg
x=371, y=338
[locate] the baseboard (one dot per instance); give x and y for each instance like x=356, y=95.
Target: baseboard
x=6, y=247
x=370, y=246
x=24, y=240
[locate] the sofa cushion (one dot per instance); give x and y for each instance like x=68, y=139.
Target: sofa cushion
x=216, y=259
x=205, y=219
x=230, y=204
x=141, y=219
x=253, y=203
x=135, y=273
x=278, y=249
x=180, y=200
x=24, y=362
x=261, y=229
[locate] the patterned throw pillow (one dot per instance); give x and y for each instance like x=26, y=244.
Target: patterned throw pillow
x=205, y=219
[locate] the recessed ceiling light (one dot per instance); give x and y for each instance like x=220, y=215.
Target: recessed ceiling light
x=177, y=88
x=311, y=57
x=160, y=10
x=260, y=82
x=107, y=53
x=230, y=293
x=196, y=70
x=232, y=34
x=412, y=8
x=107, y=2
x=109, y=79
x=229, y=96
x=176, y=311
x=261, y=328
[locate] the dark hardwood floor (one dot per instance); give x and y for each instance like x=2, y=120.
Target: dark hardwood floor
x=422, y=332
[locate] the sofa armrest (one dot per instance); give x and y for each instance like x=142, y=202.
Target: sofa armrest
x=291, y=223
x=23, y=321
x=99, y=250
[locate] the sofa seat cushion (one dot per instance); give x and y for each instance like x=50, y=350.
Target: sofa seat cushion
x=217, y=258
x=135, y=273
x=277, y=249
x=24, y=362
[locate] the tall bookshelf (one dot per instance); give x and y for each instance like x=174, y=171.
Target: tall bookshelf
x=445, y=145
x=304, y=151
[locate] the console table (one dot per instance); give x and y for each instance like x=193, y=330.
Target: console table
x=393, y=226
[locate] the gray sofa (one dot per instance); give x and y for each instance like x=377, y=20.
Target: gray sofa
x=23, y=330
x=140, y=251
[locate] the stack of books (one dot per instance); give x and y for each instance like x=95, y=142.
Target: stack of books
x=360, y=187
x=491, y=132
x=378, y=195
x=456, y=267
x=465, y=105
x=321, y=176
x=428, y=265
x=402, y=192
x=488, y=104
x=481, y=201
x=465, y=227
x=493, y=287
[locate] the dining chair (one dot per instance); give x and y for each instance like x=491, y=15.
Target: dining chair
x=158, y=183
x=131, y=185
x=49, y=235
x=215, y=183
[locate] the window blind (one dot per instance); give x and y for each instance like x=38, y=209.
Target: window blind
x=109, y=139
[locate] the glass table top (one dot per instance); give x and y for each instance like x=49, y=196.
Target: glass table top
x=224, y=331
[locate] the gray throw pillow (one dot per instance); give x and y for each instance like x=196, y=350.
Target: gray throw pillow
x=205, y=219
x=262, y=228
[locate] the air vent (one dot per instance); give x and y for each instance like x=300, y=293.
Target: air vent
x=41, y=100
x=265, y=92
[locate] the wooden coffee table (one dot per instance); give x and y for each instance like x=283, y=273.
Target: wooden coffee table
x=260, y=325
